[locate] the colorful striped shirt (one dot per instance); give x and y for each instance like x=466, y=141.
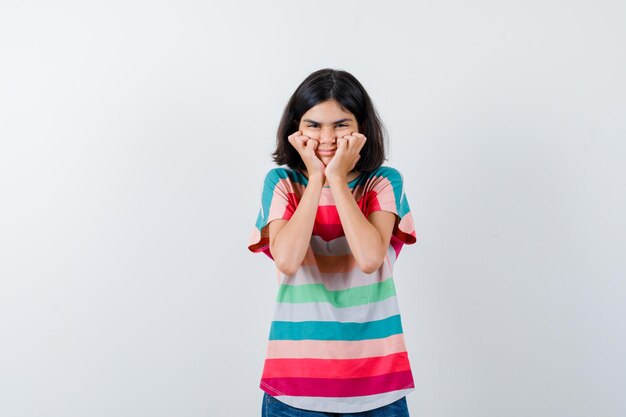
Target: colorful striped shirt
x=336, y=342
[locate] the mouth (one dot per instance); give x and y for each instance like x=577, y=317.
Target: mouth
x=326, y=151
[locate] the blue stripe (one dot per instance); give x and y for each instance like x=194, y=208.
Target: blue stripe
x=331, y=330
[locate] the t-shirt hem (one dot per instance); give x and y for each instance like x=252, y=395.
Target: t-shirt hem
x=323, y=405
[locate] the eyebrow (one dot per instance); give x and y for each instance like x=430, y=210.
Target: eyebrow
x=334, y=123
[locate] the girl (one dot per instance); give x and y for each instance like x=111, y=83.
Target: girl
x=334, y=219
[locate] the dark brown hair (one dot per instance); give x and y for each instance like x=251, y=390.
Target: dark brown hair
x=341, y=86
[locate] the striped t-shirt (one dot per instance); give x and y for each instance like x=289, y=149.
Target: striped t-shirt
x=336, y=342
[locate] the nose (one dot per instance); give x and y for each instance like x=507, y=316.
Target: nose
x=327, y=135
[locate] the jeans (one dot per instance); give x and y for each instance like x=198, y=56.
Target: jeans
x=274, y=408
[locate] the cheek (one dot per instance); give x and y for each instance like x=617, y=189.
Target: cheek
x=347, y=131
x=309, y=132
x=352, y=128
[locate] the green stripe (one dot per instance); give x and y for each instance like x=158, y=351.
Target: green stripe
x=330, y=330
x=356, y=296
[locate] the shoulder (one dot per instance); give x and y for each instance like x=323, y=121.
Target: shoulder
x=386, y=172
x=384, y=180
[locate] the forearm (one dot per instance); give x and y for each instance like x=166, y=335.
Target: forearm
x=291, y=243
x=364, y=239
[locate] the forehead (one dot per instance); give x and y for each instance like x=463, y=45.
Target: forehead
x=327, y=111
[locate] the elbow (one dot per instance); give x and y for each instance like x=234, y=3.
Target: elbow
x=283, y=261
x=371, y=265
x=287, y=271
x=287, y=268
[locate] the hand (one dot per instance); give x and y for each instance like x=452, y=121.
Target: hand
x=306, y=148
x=346, y=157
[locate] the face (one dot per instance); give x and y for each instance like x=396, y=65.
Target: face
x=326, y=122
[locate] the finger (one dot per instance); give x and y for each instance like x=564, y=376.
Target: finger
x=351, y=141
x=312, y=143
x=342, y=143
x=361, y=140
x=295, y=142
x=360, y=136
x=355, y=135
x=356, y=140
x=299, y=142
x=302, y=138
x=293, y=135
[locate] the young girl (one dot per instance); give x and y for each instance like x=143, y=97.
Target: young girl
x=334, y=219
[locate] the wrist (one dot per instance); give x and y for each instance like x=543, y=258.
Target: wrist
x=337, y=179
x=335, y=176
x=317, y=178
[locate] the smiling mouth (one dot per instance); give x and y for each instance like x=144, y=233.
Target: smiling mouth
x=326, y=151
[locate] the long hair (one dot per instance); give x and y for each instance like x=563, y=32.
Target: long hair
x=343, y=87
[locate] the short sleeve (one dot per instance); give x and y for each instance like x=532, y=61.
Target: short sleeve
x=385, y=191
x=277, y=202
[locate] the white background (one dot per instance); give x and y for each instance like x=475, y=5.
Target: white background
x=134, y=137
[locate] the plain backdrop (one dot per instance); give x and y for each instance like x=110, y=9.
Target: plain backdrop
x=134, y=138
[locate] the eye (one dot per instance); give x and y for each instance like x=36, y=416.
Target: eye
x=313, y=125
x=341, y=125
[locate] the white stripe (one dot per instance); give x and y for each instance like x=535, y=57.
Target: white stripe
x=344, y=404
x=327, y=312
x=309, y=274
x=334, y=247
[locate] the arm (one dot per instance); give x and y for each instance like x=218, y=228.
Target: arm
x=369, y=237
x=289, y=239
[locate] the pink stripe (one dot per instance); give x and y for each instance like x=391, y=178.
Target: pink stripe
x=335, y=349
x=284, y=201
x=383, y=194
x=336, y=368
x=350, y=387
x=406, y=229
x=327, y=199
